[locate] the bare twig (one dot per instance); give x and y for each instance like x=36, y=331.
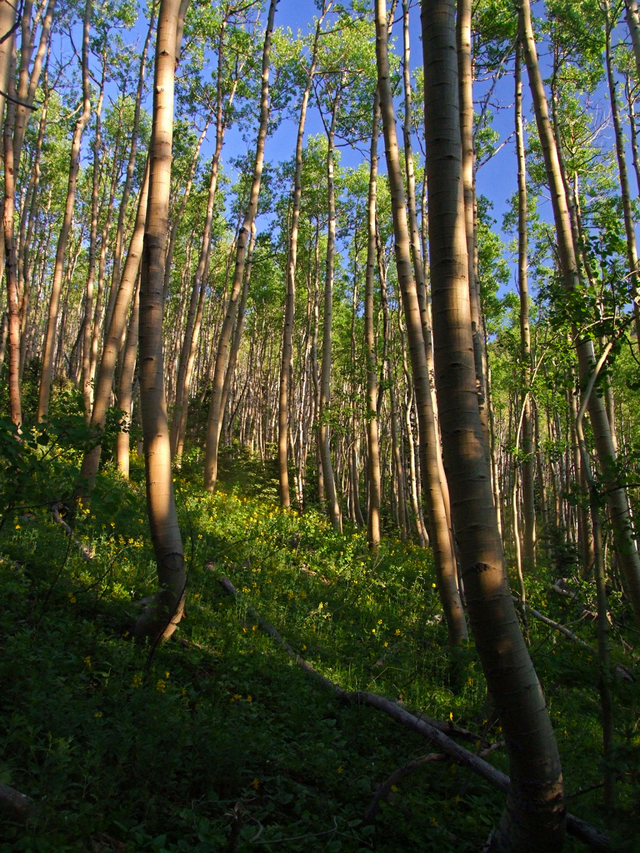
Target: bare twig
x=87, y=553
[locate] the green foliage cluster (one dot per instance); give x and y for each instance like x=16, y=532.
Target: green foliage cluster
x=218, y=741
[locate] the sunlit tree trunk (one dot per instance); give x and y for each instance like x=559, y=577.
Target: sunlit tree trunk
x=373, y=468
x=74, y=166
x=534, y=816
x=163, y=615
x=465, y=94
x=625, y=544
x=439, y=534
x=216, y=411
x=124, y=394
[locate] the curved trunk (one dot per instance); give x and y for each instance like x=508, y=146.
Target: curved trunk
x=439, y=535
x=162, y=616
x=534, y=816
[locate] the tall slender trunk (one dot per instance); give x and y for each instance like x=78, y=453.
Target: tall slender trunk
x=124, y=395
x=526, y=466
x=131, y=164
x=534, y=816
x=163, y=615
x=196, y=306
x=216, y=411
x=617, y=501
x=627, y=209
x=290, y=300
x=324, y=437
x=465, y=94
x=113, y=339
x=439, y=534
x=11, y=262
x=373, y=445
x=87, y=328
x=74, y=166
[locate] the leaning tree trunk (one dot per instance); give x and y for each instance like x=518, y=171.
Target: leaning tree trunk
x=534, y=815
x=216, y=410
x=439, y=534
x=625, y=544
x=163, y=615
x=58, y=270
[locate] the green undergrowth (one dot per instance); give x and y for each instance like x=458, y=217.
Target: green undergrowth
x=217, y=740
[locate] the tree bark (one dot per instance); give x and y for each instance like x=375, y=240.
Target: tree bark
x=163, y=615
x=373, y=446
x=534, y=815
x=439, y=534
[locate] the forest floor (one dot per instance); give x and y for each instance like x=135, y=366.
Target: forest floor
x=217, y=740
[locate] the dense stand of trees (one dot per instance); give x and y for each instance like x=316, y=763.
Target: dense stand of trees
x=354, y=321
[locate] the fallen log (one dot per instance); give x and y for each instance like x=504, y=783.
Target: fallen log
x=18, y=804
x=575, y=826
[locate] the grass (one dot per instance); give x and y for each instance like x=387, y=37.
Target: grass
x=217, y=741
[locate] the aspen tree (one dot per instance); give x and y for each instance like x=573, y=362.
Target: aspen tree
x=374, y=478
x=534, y=814
x=439, y=534
x=163, y=615
x=626, y=547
